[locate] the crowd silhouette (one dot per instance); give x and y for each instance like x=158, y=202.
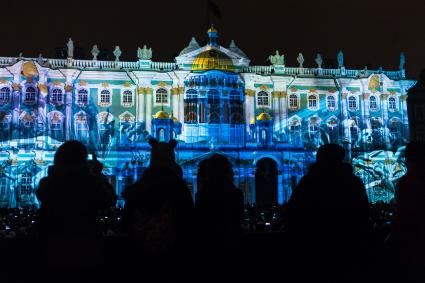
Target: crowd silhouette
x=328, y=231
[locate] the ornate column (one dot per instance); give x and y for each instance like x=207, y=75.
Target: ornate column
x=148, y=109
x=16, y=96
x=175, y=92
x=141, y=104
x=403, y=99
x=249, y=107
x=68, y=112
x=283, y=111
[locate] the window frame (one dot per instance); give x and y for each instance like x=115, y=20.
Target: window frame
x=263, y=97
x=28, y=99
x=105, y=97
x=316, y=101
x=54, y=96
x=376, y=102
x=395, y=108
x=5, y=100
x=354, y=100
x=334, y=107
x=82, y=92
x=162, y=96
x=125, y=94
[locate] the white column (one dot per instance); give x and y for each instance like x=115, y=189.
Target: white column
x=403, y=99
x=283, y=111
x=181, y=105
x=276, y=121
x=175, y=98
x=365, y=106
x=249, y=107
x=149, y=110
x=345, y=117
x=68, y=112
x=141, y=104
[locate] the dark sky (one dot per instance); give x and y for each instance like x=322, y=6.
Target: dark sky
x=370, y=32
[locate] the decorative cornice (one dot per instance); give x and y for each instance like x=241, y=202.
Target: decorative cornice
x=105, y=84
x=313, y=90
x=162, y=84
x=264, y=87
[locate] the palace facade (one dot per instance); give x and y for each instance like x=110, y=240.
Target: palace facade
x=268, y=120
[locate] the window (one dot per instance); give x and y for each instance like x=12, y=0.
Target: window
x=293, y=101
x=105, y=97
x=330, y=102
x=56, y=96
x=392, y=105
x=127, y=98
x=161, y=96
x=352, y=103
x=214, y=106
x=4, y=95
x=262, y=98
x=3, y=184
x=313, y=128
x=312, y=102
x=191, y=94
x=82, y=97
x=373, y=103
x=26, y=184
x=81, y=127
x=234, y=95
x=30, y=95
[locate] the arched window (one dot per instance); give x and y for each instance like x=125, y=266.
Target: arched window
x=293, y=101
x=312, y=102
x=191, y=94
x=29, y=95
x=262, y=98
x=56, y=96
x=82, y=97
x=352, y=103
x=4, y=95
x=127, y=98
x=105, y=97
x=161, y=96
x=373, y=103
x=213, y=94
x=214, y=106
x=331, y=102
x=392, y=105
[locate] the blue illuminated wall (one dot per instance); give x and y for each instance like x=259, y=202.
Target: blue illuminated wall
x=211, y=100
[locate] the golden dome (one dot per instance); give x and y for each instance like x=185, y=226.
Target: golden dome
x=212, y=29
x=161, y=115
x=212, y=59
x=263, y=117
x=252, y=121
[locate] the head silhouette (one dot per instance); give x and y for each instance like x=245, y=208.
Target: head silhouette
x=219, y=169
x=415, y=154
x=330, y=154
x=162, y=154
x=71, y=152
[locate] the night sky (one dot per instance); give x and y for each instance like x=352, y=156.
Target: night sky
x=369, y=32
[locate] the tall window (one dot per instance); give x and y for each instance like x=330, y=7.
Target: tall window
x=81, y=127
x=161, y=96
x=214, y=106
x=352, y=103
x=373, y=103
x=105, y=97
x=26, y=184
x=312, y=102
x=30, y=95
x=262, y=98
x=331, y=103
x=293, y=101
x=82, y=97
x=3, y=184
x=191, y=108
x=4, y=95
x=127, y=97
x=392, y=105
x=56, y=96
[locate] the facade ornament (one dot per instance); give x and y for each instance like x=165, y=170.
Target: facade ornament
x=21, y=56
x=319, y=60
x=117, y=53
x=277, y=59
x=40, y=60
x=144, y=53
x=340, y=58
x=300, y=60
x=70, y=46
x=402, y=61
x=95, y=52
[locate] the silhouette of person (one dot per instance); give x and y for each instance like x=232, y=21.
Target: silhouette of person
x=410, y=214
x=158, y=212
x=71, y=196
x=219, y=207
x=327, y=216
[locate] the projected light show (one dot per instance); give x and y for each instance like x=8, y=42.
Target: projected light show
x=268, y=120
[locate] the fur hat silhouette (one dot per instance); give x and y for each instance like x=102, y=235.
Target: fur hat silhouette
x=162, y=154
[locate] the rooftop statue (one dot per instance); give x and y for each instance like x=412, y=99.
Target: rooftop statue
x=144, y=53
x=95, y=52
x=40, y=60
x=277, y=59
x=319, y=60
x=300, y=60
x=117, y=53
x=340, y=58
x=402, y=61
x=70, y=46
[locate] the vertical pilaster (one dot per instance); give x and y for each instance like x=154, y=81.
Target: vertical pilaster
x=148, y=109
x=141, y=104
x=249, y=107
x=68, y=112
x=283, y=111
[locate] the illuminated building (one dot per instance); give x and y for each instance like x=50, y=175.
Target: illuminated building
x=210, y=99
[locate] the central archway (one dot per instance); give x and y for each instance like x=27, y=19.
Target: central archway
x=266, y=182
